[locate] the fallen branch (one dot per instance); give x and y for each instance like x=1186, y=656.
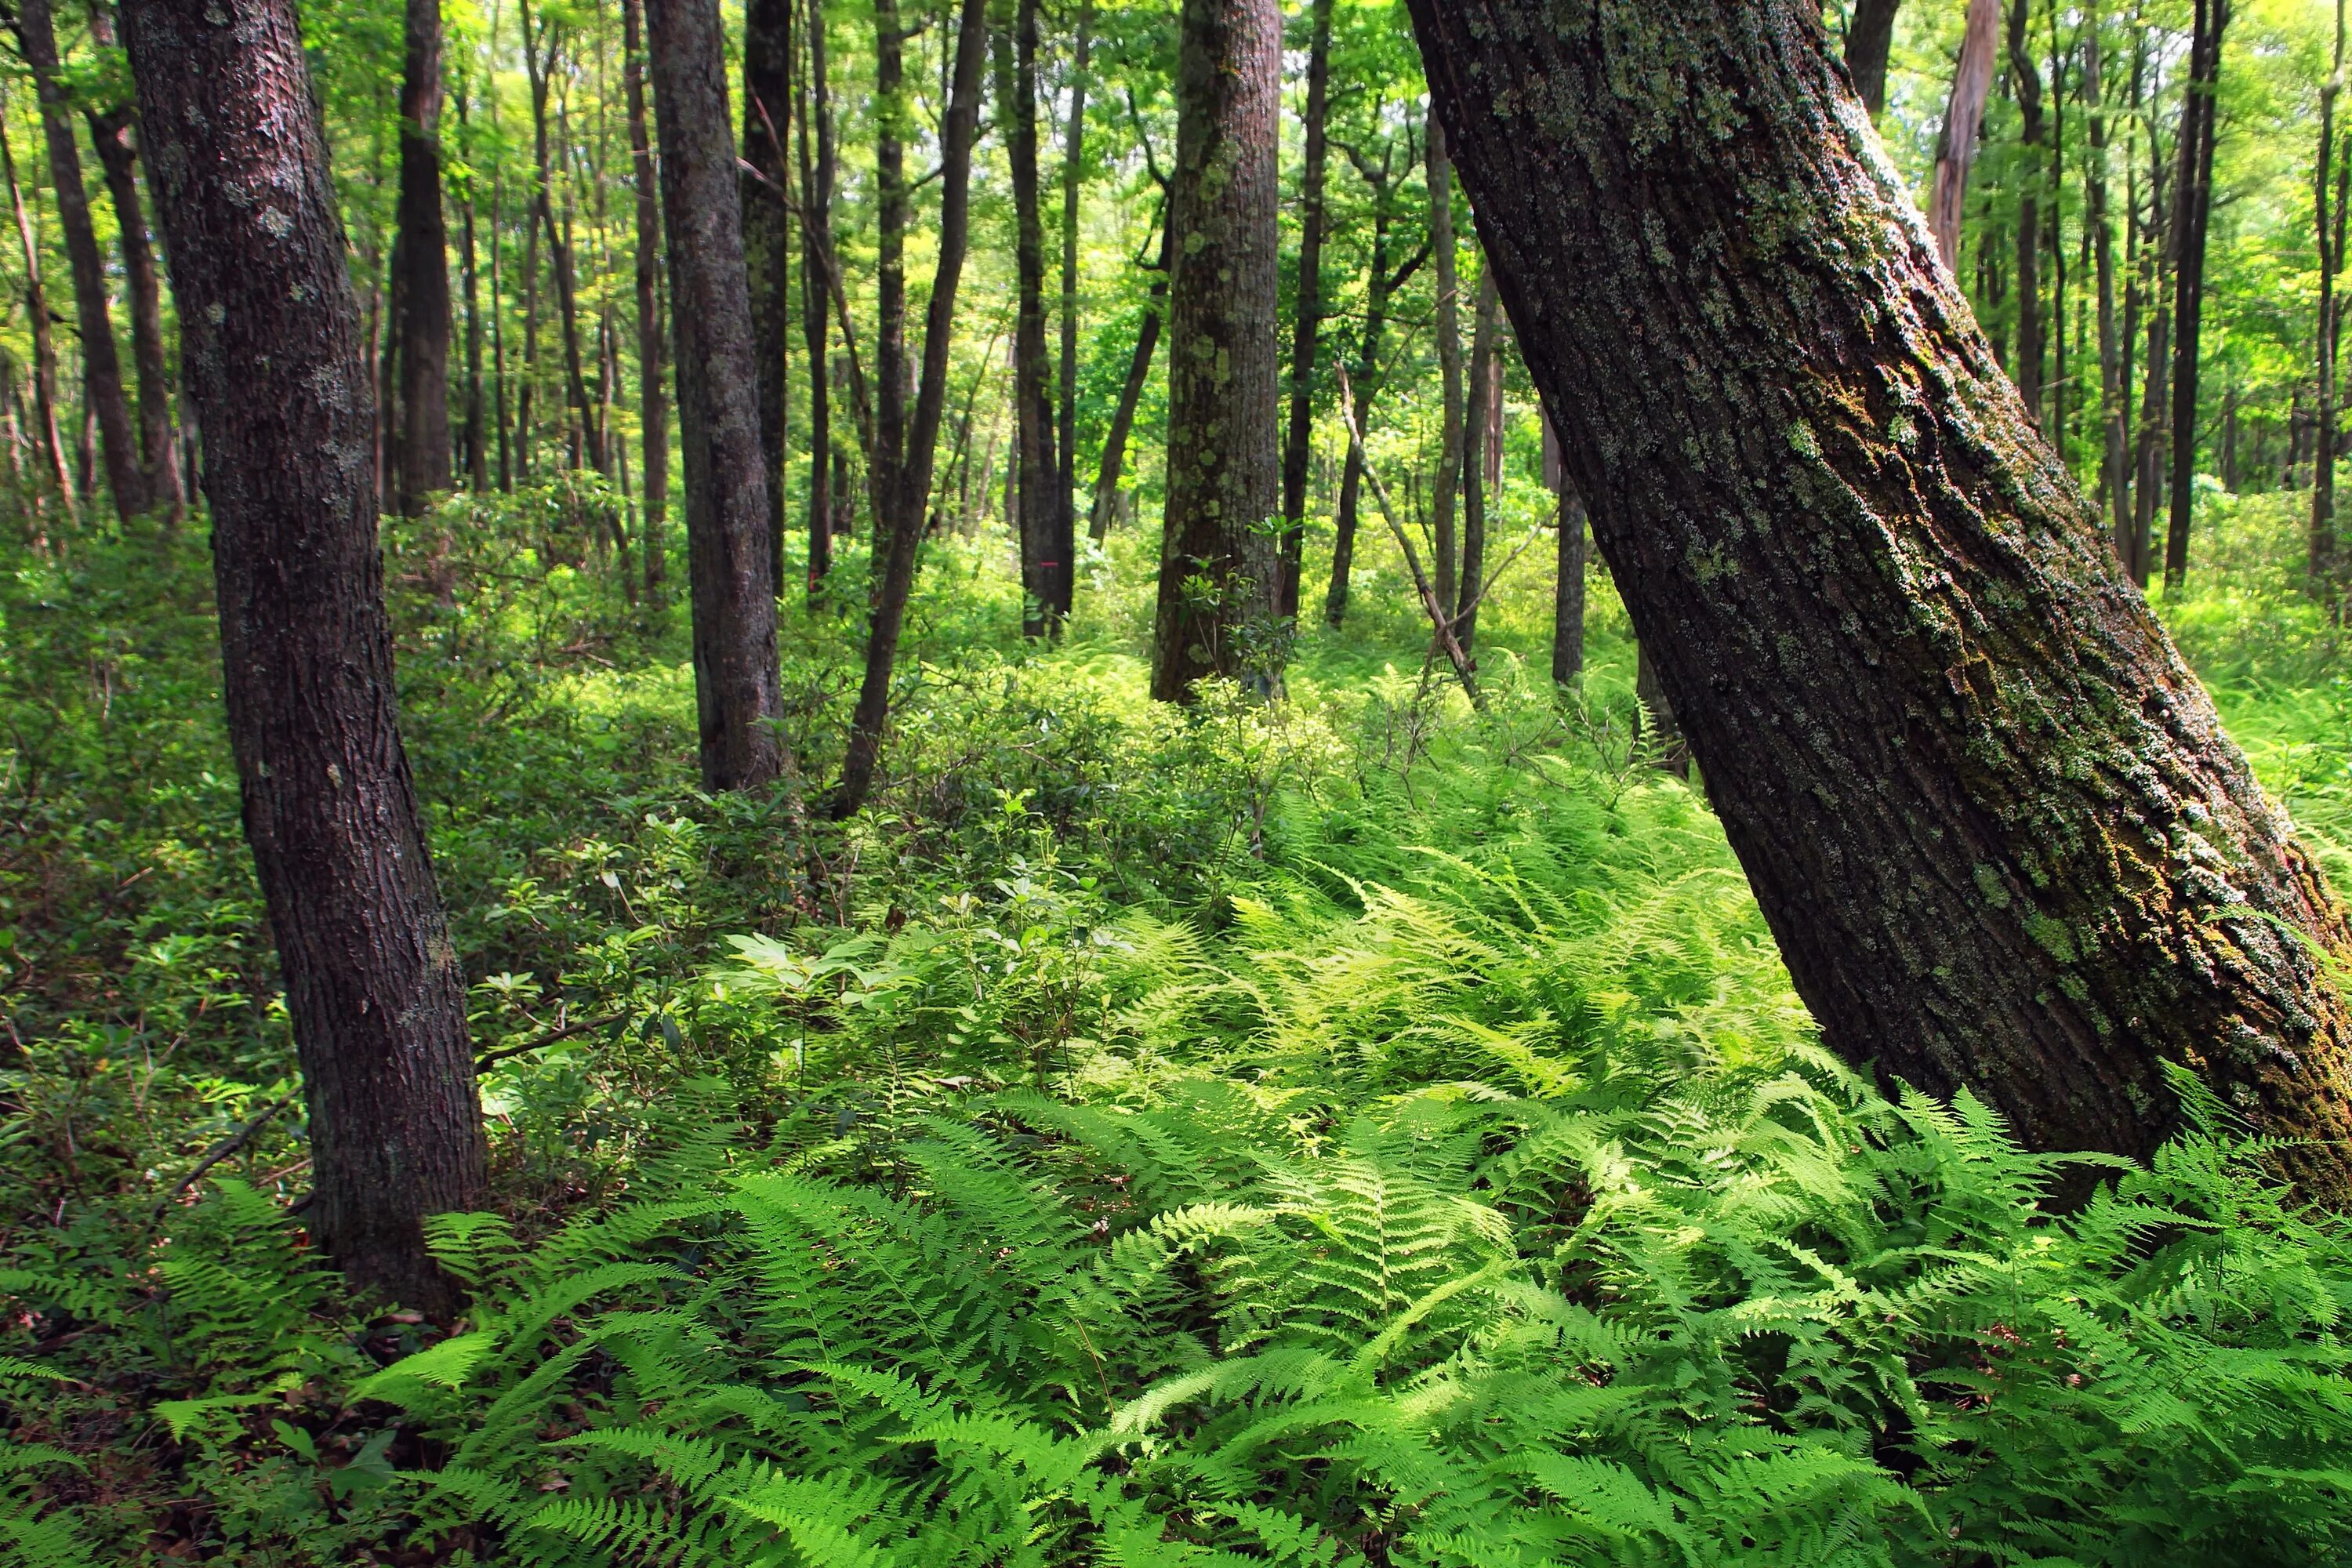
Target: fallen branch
x=228, y=1146
x=1441, y=624
x=489, y=1059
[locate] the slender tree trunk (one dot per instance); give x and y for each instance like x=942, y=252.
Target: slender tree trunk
x=2323, y=488
x=44, y=349
x=2114, y=396
x=732, y=584
x=2025, y=76
x=2192, y=206
x=817, y=249
x=888, y=458
x=1130, y=394
x=1218, y=566
x=1956, y=144
x=422, y=256
x=1066, y=431
x=653, y=404
x=1380, y=287
x=1442, y=542
x=1567, y=585
x=1486, y=324
x=1869, y=35
x=1987, y=810
x=905, y=492
x=1045, y=565
x=282, y=395
x=767, y=235
x=475, y=439
x=101, y=365
x=1307, y=325
x=110, y=134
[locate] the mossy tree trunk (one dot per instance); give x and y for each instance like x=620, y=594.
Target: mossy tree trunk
x=1992, y=817
x=1220, y=562
x=283, y=401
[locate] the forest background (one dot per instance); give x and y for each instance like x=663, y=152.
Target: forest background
x=1479, y=1189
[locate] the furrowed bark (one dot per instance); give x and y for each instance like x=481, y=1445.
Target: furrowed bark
x=282, y=398
x=1990, y=815
x=1219, y=565
x=728, y=575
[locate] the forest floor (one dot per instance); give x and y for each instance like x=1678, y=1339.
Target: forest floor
x=1349, y=1129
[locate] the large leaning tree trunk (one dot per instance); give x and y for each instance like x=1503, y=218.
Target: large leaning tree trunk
x=283, y=402
x=730, y=578
x=1990, y=816
x=1219, y=566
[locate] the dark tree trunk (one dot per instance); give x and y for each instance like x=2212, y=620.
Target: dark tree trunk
x=2025, y=76
x=904, y=494
x=1990, y=814
x=45, y=348
x=1443, y=544
x=1869, y=35
x=653, y=403
x=816, y=261
x=1568, y=591
x=1065, y=431
x=2192, y=206
x=728, y=578
x=101, y=364
x=424, y=260
x=1299, y=440
x=887, y=458
x=472, y=436
x=767, y=236
x=2322, y=563
x=1476, y=450
x=110, y=134
x=282, y=395
x=1130, y=394
x=1380, y=286
x=1044, y=564
x=2115, y=397
x=1219, y=566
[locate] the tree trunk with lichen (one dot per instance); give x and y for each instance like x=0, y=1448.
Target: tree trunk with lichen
x=1219, y=565
x=1992, y=817
x=282, y=398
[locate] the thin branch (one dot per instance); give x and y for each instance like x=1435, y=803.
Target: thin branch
x=228, y=1146
x=1441, y=624
x=489, y=1059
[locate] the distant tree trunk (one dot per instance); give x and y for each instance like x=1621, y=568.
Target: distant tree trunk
x=2025, y=76
x=767, y=236
x=2115, y=397
x=1869, y=36
x=1066, y=431
x=44, y=349
x=1045, y=565
x=1218, y=566
x=1568, y=587
x=2322, y=565
x=422, y=256
x=1138, y=371
x=891, y=124
x=1307, y=325
x=559, y=248
x=904, y=494
x=1380, y=286
x=101, y=365
x=1482, y=364
x=1442, y=542
x=2192, y=206
x=732, y=584
x=110, y=134
x=2155, y=245
x=816, y=262
x=473, y=438
x=1990, y=814
x=282, y=395
x=1956, y=144
x=653, y=403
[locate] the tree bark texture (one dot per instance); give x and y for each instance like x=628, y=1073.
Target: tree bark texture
x=1219, y=562
x=767, y=236
x=1045, y=576
x=111, y=133
x=102, y=361
x=1869, y=36
x=729, y=576
x=653, y=400
x=424, y=260
x=1992, y=817
x=2192, y=208
x=904, y=493
x=1306, y=321
x=1955, y=145
x=282, y=398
